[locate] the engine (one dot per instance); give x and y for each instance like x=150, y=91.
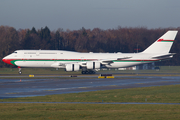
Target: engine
x=72, y=67
x=93, y=65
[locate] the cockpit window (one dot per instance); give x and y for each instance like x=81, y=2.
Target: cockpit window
x=14, y=52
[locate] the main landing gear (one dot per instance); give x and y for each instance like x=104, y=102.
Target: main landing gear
x=20, y=70
x=88, y=72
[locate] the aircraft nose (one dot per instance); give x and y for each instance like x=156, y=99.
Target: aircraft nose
x=4, y=60
x=8, y=61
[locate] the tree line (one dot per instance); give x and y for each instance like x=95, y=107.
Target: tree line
x=125, y=40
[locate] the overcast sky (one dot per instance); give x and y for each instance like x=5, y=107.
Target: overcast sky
x=75, y=14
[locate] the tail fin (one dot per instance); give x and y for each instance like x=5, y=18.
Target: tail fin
x=163, y=44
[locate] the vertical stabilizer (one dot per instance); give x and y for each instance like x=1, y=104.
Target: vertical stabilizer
x=163, y=44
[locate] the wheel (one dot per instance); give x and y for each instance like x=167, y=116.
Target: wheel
x=93, y=72
x=90, y=72
x=20, y=72
x=83, y=72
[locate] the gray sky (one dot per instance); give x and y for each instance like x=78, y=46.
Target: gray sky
x=75, y=14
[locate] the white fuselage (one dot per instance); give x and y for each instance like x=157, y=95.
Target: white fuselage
x=52, y=58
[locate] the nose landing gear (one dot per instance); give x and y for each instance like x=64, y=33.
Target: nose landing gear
x=20, y=70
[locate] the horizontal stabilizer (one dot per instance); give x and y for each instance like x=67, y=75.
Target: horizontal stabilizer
x=164, y=56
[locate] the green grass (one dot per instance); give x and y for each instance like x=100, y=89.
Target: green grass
x=163, y=69
x=88, y=112
x=45, y=71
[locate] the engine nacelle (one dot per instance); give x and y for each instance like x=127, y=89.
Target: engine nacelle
x=72, y=67
x=93, y=65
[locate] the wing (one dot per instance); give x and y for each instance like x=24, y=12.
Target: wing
x=58, y=65
x=109, y=61
x=84, y=63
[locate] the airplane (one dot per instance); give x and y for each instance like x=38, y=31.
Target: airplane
x=89, y=62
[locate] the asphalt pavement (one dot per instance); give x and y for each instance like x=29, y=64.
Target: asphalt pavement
x=25, y=87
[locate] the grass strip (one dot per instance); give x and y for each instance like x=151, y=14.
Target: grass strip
x=46, y=71
x=88, y=112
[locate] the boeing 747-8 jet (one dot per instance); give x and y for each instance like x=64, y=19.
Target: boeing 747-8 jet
x=88, y=62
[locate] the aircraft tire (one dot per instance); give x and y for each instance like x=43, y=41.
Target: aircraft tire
x=20, y=72
x=83, y=72
x=88, y=72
